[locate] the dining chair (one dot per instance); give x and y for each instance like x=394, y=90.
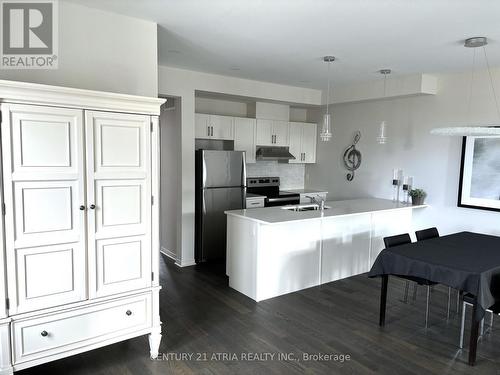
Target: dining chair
x=468, y=300
x=427, y=234
x=402, y=239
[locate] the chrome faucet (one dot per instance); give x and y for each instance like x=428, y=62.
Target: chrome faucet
x=317, y=200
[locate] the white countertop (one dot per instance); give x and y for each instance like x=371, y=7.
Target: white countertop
x=306, y=191
x=276, y=215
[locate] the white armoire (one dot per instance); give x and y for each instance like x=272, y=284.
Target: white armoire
x=79, y=231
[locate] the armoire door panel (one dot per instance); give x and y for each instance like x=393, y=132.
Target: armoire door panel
x=48, y=276
x=45, y=140
x=120, y=142
x=122, y=263
x=119, y=186
x=47, y=213
x=43, y=171
x=121, y=208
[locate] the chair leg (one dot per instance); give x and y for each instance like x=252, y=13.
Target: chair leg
x=481, y=328
x=415, y=292
x=449, y=303
x=462, y=327
x=427, y=306
x=458, y=301
x=407, y=287
x=491, y=321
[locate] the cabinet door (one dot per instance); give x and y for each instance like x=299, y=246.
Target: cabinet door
x=296, y=142
x=265, y=133
x=280, y=131
x=346, y=247
x=119, y=198
x=309, y=142
x=244, y=137
x=222, y=127
x=201, y=129
x=42, y=149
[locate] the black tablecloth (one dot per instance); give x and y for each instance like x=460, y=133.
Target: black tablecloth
x=465, y=261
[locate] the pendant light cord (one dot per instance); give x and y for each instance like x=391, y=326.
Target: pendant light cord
x=491, y=82
x=471, y=84
x=328, y=89
x=385, y=78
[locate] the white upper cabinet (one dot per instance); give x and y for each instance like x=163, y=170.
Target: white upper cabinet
x=244, y=137
x=43, y=175
x=265, y=132
x=222, y=127
x=214, y=127
x=296, y=142
x=309, y=138
x=303, y=142
x=272, y=133
x=201, y=129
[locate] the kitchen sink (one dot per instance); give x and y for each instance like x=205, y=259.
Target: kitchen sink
x=310, y=207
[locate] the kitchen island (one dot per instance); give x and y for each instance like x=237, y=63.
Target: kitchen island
x=277, y=250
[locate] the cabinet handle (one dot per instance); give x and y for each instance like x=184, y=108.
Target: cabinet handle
x=212, y=134
x=44, y=333
x=128, y=313
x=82, y=208
x=208, y=131
x=92, y=206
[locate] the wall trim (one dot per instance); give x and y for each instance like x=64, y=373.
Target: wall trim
x=171, y=254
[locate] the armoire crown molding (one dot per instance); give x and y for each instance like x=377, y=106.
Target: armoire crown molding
x=34, y=93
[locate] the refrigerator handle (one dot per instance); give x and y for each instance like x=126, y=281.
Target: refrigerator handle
x=244, y=170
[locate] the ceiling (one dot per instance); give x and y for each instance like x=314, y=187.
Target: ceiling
x=283, y=41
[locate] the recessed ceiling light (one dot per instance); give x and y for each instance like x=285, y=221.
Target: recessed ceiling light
x=235, y=68
x=173, y=51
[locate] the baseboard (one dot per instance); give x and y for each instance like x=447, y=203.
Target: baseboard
x=178, y=263
x=169, y=253
x=185, y=263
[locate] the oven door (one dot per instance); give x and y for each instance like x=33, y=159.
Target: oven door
x=281, y=201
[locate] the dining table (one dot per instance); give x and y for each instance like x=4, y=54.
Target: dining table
x=466, y=261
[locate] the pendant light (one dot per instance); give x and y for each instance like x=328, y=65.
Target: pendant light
x=474, y=130
x=326, y=131
x=382, y=138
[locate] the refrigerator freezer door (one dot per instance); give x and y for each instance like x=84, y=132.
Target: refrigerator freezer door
x=213, y=222
x=223, y=169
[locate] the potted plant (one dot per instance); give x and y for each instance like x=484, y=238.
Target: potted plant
x=417, y=196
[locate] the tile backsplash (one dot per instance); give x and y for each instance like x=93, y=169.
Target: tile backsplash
x=291, y=175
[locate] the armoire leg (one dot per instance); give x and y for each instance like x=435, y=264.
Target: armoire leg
x=154, y=343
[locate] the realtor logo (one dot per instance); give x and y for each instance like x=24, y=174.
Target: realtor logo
x=29, y=34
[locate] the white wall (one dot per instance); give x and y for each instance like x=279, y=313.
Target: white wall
x=183, y=83
x=221, y=107
x=100, y=50
x=170, y=136
x=433, y=160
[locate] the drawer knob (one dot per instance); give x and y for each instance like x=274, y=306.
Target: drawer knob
x=92, y=206
x=44, y=333
x=128, y=312
x=82, y=208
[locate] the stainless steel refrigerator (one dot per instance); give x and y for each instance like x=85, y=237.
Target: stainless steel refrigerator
x=220, y=186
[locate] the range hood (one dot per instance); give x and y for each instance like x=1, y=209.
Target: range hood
x=273, y=153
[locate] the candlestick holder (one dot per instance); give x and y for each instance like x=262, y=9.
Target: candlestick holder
x=395, y=190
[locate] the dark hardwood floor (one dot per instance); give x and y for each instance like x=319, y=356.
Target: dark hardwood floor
x=203, y=316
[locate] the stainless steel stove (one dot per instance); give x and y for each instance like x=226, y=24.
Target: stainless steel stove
x=270, y=188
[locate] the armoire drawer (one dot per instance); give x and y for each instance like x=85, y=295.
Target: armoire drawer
x=60, y=332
